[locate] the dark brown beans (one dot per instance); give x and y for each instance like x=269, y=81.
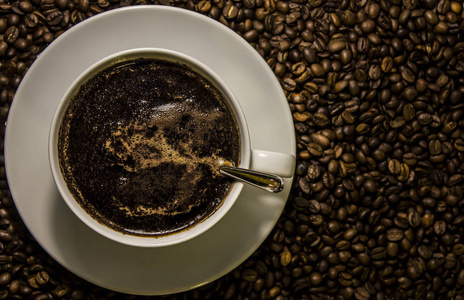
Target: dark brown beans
x=11, y=34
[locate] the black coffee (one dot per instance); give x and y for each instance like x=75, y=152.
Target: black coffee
x=140, y=146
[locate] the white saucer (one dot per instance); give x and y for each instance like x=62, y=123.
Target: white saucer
x=97, y=259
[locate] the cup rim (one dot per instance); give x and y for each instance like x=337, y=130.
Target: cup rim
x=140, y=241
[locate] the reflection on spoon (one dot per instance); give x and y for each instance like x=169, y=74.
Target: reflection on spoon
x=269, y=182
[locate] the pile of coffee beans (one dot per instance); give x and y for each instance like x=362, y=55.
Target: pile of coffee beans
x=375, y=88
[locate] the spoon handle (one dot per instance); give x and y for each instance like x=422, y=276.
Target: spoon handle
x=269, y=182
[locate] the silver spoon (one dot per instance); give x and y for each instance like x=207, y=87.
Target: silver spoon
x=269, y=182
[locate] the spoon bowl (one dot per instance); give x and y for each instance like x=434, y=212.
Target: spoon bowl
x=266, y=181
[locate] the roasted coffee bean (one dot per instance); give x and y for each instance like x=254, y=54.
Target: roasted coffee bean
x=249, y=275
x=5, y=278
x=230, y=12
x=314, y=206
x=435, y=147
x=251, y=36
x=54, y=18
x=31, y=20
x=378, y=253
x=314, y=171
x=394, y=166
x=333, y=166
x=425, y=252
x=374, y=72
x=11, y=34
x=315, y=149
x=3, y=48
x=408, y=75
x=387, y=64
x=340, y=86
x=410, y=158
x=304, y=185
x=336, y=46
x=395, y=235
x=317, y=70
x=392, y=249
x=203, y=6
x=409, y=112
x=320, y=139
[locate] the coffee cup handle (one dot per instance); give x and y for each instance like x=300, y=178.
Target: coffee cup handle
x=277, y=163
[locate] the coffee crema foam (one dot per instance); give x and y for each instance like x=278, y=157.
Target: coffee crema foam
x=141, y=144
x=147, y=148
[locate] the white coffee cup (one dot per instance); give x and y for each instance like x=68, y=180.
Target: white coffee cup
x=278, y=163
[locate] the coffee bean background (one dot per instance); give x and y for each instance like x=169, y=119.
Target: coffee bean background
x=376, y=93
